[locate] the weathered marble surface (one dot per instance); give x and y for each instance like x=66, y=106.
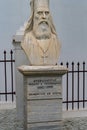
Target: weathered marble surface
x=43, y=96
x=8, y=121
x=57, y=69
x=40, y=42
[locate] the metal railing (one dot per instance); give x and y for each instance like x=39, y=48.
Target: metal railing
x=7, y=88
x=75, y=86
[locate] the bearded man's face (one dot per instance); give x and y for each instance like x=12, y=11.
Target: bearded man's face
x=41, y=26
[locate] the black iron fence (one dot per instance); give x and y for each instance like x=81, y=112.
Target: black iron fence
x=7, y=88
x=75, y=86
x=74, y=83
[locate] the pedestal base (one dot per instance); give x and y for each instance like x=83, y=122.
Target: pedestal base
x=42, y=97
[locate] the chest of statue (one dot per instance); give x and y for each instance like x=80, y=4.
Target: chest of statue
x=43, y=53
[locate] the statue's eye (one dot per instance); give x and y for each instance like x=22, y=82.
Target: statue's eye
x=40, y=13
x=47, y=12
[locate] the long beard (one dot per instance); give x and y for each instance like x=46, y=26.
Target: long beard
x=42, y=31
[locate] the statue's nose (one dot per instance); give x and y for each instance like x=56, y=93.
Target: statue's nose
x=44, y=15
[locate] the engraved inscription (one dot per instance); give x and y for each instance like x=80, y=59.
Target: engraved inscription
x=43, y=87
x=49, y=93
x=45, y=81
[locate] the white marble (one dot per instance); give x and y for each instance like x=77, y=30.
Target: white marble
x=40, y=42
x=25, y=69
x=42, y=96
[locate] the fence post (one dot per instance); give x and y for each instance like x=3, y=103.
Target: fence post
x=12, y=89
x=83, y=84
x=78, y=65
x=67, y=87
x=72, y=85
x=5, y=75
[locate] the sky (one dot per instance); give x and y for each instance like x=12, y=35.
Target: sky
x=70, y=20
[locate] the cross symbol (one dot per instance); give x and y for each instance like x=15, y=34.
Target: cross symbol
x=44, y=57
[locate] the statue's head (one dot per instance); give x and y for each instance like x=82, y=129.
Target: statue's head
x=41, y=21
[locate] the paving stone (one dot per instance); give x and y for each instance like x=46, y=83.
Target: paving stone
x=8, y=121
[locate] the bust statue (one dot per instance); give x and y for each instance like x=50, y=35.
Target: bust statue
x=40, y=42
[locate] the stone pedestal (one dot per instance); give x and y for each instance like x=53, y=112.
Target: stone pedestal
x=42, y=97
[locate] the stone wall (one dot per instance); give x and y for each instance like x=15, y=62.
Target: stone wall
x=8, y=120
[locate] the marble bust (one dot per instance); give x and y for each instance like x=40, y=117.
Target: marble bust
x=40, y=42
